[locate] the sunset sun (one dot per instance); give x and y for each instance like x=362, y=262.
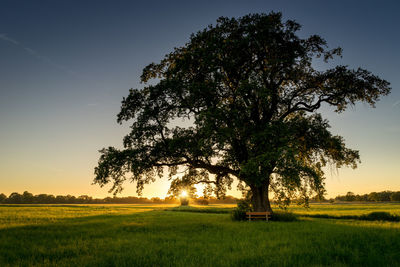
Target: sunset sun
x=184, y=193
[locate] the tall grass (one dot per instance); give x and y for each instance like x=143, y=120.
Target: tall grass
x=347, y=209
x=148, y=236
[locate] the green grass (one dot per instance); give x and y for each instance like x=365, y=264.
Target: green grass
x=141, y=235
x=348, y=208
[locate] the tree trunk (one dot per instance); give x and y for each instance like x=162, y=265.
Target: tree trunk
x=260, y=199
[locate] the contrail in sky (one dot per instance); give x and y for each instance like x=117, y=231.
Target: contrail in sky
x=397, y=103
x=35, y=54
x=5, y=38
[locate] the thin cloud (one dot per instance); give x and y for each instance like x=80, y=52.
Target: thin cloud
x=8, y=39
x=92, y=104
x=397, y=103
x=35, y=54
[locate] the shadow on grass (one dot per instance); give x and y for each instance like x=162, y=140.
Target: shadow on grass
x=45, y=205
x=373, y=216
x=90, y=206
x=200, y=210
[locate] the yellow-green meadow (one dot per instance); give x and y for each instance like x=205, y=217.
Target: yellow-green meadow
x=165, y=235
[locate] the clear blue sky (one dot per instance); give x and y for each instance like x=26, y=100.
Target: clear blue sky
x=65, y=66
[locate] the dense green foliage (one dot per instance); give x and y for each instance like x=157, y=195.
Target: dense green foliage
x=250, y=96
x=137, y=235
x=239, y=213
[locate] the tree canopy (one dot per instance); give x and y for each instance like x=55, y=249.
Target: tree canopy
x=249, y=93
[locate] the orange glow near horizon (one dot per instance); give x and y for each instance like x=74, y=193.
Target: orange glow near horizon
x=184, y=193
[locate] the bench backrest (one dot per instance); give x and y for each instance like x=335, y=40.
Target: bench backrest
x=258, y=213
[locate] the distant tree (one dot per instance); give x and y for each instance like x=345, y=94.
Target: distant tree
x=250, y=94
x=384, y=196
x=395, y=196
x=14, y=198
x=350, y=196
x=2, y=198
x=170, y=200
x=201, y=201
x=156, y=200
x=373, y=196
x=362, y=197
x=84, y=199
x=27, y=197
x=318, y=198
x=45, y=199
x=61, y=199
x=70, y=199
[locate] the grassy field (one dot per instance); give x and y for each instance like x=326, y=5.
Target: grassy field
x=160, y=235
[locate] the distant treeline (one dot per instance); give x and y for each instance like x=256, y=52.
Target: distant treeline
x=383, y=196
x=29, y=198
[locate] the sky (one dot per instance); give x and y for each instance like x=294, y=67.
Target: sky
x=66, y=65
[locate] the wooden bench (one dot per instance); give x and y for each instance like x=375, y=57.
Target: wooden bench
x=258, y=215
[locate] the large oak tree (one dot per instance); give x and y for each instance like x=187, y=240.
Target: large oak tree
x=249, y=93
